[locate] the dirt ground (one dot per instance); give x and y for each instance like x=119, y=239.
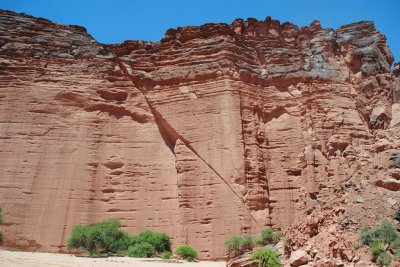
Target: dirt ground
x=36, y=259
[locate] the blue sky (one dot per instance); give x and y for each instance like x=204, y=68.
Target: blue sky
x=113, y=21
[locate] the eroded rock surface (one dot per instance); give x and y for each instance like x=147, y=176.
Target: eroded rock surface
x=216, y=130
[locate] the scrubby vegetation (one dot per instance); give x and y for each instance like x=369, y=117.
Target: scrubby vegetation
x=383, y=241
x=237, y=245
x=160, y=241
x=166, y=255
x=268, y=236
x=99, y=239
x=142, y=250
x=266, y=257
x=186, y=252
x=106, y=238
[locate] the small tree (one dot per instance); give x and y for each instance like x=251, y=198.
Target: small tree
x=101, y=238
x=266, y=257
x=186, y=252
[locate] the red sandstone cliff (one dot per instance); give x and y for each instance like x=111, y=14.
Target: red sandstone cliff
x=216, y=130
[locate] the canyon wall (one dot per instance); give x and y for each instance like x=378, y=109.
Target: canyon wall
x=215, y=130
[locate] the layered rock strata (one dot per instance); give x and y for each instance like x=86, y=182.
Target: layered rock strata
x=215, y=130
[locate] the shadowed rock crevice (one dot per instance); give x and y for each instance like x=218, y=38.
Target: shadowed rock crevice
x=115, y=110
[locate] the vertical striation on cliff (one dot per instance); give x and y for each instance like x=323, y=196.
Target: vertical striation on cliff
x=216, y=130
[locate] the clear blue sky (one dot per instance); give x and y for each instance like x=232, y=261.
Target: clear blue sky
x=113, y=21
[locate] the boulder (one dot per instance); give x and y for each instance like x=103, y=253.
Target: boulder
x=242, y=261
x=389, y=184
x=298, y=258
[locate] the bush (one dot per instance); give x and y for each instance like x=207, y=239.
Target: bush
x=186, y=252
x=376, y=250
x=384, y=259
x=268, y=236
x=142, y=250
x=379, y=239
x=247, y=243
x=266, y=257
x=160, y=241
x=101, y=238
x=106, y=238
x=166, y=255
x=233, y=244
x=379, y=254
x=385, y=232
x=237, y=245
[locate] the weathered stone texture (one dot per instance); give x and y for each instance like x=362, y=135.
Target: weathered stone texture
x=216, y=130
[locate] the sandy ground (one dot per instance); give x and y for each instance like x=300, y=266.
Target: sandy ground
x=36, y=259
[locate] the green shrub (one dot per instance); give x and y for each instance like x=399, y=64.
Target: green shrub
x=268, y=236
x=101, y=238
x=233, y=244
x=160, y=241
x=247, y=243
x=166, y=255
x=237, y=245
x=379, y=254
x=12, y=249
x=266, y=257
x=186, y=252
x=376, y=250
x=385, y=232
x=107, y=238
x=384, y=259
x=142, y=250
x=379, y=239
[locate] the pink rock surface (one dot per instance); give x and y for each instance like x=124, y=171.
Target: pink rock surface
x=216, y=130
x=299, y=257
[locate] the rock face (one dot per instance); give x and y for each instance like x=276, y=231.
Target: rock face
x=216, y=130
